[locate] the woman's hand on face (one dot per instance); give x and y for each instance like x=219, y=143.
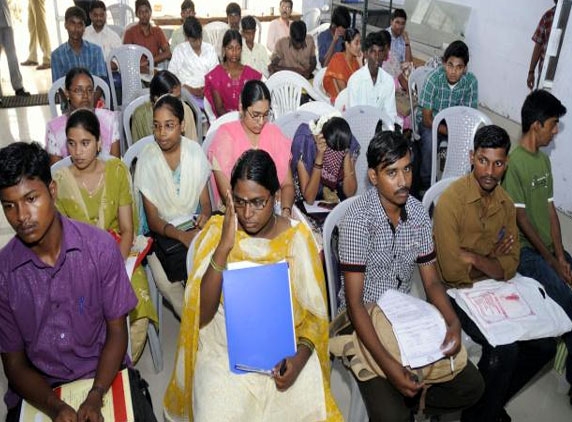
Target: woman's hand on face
x=229, y=225
x=320, y=143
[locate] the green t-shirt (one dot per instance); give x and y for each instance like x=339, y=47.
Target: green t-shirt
x=528, y=181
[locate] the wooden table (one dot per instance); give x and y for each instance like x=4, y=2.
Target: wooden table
x=167, y=20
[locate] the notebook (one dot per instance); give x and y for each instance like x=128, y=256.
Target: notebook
x=259, y=318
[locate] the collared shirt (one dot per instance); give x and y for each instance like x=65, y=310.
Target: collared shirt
x=542, y=33
x=397, y=45
x=363, y=91
x=370, y=244
x=155, y=41
x=528, y=181
x=107, y=38
x=190, y=68
x=90, y=56
x=58, y=314
x=438, y=94
x=257, y=58
x=325, y=38
x=276, y=30
x=291, y=57
x=464, y=220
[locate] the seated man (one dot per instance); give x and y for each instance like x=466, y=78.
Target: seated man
x=77, y=51
x=98, y=32
x=296, y=53
x=400, y=46
x=280, y=27
x=149, y=36
x=178, y=35
x=449, y=85
x=64, y=296
x=331, y=41
x=253, y=54
x=233, y=14
x=474, y=226
x=371, y=85
x=193, y=59
x=383, y=234
x=529, y=183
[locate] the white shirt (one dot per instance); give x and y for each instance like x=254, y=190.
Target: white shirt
x=190, y=68
x=107, y=39
x=277, y=29
x=257, y=58
x=362, y=91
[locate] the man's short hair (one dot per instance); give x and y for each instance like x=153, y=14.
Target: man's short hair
x=287, y=1
x=298, y=31
x=141, y=3
x=399, y=13
x=540, y=106
x=491, y=136
x=386, y=148
x=377, y=38
x=97, y=5
x=193, y=28
x=187, y=4
x=457, y=49
x=233, y=9
x=75, y=12
x=23, y=160
x=341, y=17
x=248, y=23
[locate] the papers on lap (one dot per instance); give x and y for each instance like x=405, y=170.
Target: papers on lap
x=518, y=309
x=418, y=326
x=258, y=315
x=117, y=405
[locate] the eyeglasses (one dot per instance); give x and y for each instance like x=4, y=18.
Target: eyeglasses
x=169, y=127
x=81, y=91
x=256, y=203
x=268, y=116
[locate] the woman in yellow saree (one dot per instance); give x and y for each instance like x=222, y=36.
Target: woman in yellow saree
x=98, y=192
x=202, y=388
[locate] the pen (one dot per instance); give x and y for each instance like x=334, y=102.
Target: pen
x=452, y=364
x=248, y=368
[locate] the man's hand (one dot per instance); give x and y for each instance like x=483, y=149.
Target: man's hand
x=502, y=247
x=530, y=80
x=66, y=414
x=563, y=270
x=402, y=379
x=452, y=343
x=339, y=33
x=467, y=257
x=90, y=409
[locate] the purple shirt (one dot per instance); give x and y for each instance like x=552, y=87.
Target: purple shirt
x=58, y=314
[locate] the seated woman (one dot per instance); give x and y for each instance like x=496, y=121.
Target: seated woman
x=202, y=387
x=324, y=153
x=172, y=175
x=98, y=192
x=252, y=130
x=224, y=83
x=164, y=82
x=343, y=64
x=79, y=92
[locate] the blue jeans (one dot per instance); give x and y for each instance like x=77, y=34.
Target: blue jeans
x=534, y=266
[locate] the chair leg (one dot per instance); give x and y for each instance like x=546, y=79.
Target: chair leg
x=154, y=335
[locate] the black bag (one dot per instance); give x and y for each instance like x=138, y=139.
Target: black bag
x=140, y=398
x=173, y=257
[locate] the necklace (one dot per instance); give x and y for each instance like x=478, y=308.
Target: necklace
x=91, y=192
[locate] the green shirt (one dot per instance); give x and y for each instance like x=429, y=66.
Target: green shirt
x=528, y=181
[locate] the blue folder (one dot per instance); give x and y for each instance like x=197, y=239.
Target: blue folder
x=259, y=317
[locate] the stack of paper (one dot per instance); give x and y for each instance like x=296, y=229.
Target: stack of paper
x=417, y=325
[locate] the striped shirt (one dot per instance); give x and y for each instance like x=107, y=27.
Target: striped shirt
x=90, y=56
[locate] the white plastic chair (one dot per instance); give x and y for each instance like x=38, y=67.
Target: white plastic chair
x=363, y=121
x=434, y=192
x=415, y=86
x=60, y=84
x=121, y=14
x=286, y=91
x=312, y=18
x=225, y=118
x=199, y=116
x=314, y=34
x=357, y=410
x=128, y=60
x=153, y=335
x=318, y=84
x=213, y=32
x=318, y=107
x=117, y=29
x=290, y=122
x=462, y=123
x=258, y=30
x=342, y=100
x=209, y=112
x=127, y=114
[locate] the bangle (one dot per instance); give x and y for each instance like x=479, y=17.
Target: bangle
x=303, y=341
x=407, y=45
x=216, y=267
x=318, y=166
x=287, y=208
x=165, y=228
x=97, y=389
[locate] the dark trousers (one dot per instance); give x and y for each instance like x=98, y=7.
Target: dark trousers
x=385, y=403
x=505, y=369
x=140, y=399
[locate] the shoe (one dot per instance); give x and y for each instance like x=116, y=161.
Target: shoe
x=44, y=66
x=22, y=93
x=29, y=63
